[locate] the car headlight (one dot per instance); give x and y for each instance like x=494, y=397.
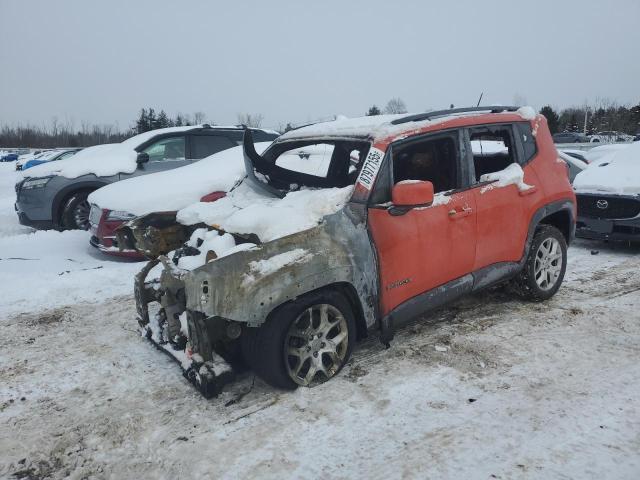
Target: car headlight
x=32, y=183
x=119, y=215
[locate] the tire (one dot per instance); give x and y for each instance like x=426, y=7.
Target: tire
x=264, y=348
x=542, y=273
x=75, y=214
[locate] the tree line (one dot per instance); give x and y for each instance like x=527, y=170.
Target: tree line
x=602, y=115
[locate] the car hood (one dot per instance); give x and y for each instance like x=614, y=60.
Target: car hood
x=172, y=190
x=100, y=160
x=617, y=173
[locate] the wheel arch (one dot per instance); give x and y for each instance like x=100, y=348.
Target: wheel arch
x=559, y=214
x=350, y=293
x=64, y=194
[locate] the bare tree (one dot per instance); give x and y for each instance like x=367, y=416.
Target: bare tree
x=250, y=120
x=395, y=105
x=199, y=117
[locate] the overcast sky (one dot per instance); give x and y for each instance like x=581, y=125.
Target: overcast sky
x=296, y=61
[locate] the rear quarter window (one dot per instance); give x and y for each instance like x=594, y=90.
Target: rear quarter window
x=528, y=141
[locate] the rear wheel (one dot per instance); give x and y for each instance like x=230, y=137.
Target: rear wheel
x=75, y=215
x=546, y=264
x=304, y=342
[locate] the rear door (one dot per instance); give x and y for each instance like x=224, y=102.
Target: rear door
x=427, y=246
x=203, y=144
x=501, y=204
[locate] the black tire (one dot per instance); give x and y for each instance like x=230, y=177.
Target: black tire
x=528, y=282
x=263, y=348
x=75, y=214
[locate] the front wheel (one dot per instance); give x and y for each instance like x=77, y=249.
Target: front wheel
x=546, y=264
x=304, y=342
x=75, y=215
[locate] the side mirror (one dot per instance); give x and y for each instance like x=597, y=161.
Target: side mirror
x=142, y=157
x=410, y=193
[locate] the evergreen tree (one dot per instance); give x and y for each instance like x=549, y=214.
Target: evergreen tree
x=373, y=110
x=553, y=120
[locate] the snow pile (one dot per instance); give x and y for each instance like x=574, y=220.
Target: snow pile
x=172, y=190
x=262, y=268
x=602, y=151
x=208, y=240
x=528, y=113
x=512, y=175
x=102, y=160
x=617, y=173
x=246, y=210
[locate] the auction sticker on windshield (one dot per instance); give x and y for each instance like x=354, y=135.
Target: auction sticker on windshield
x=370, y=168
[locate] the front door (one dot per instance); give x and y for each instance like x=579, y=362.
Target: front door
x=427, y=246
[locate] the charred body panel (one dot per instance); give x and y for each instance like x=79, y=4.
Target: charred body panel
x=336, y=251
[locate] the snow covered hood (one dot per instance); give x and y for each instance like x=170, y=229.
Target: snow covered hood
x=101, y=160
x=248, y=210
x=617, y=173
x=172, y=190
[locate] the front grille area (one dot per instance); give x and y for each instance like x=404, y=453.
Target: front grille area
x=595, y=206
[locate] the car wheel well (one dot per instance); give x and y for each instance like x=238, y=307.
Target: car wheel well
x=561, y=220
x=350, y=293
x=65, y=199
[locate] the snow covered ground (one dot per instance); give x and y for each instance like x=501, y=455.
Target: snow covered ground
x=489, y=387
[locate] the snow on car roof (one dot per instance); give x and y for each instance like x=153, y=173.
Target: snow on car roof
x=378, y=126
x=175, y=189
x=617, y=173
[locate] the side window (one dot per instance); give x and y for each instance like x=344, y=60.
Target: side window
x=434, y=159
x=493, y=149
x=204, y=145
x=166, y=149
x=528, y=141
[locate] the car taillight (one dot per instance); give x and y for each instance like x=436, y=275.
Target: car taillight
x=213, y=196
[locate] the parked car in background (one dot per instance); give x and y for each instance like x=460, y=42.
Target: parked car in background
x=596, y=153
x=24, y=157
x=313, y=261
x=570, y=137
x=574, y=165
x=610, y=137
x=608, y=194
x=49, y=156
x=637, y=137
x=577, y=154
x=8, y=157
x=54, y=194
x=167, y=192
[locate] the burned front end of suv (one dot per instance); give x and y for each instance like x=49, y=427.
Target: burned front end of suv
x=199, y=315
x=608, y=217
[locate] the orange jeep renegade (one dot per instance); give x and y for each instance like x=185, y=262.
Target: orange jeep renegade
x=415, y=211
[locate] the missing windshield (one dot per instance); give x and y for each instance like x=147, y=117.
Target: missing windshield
x=292, y=165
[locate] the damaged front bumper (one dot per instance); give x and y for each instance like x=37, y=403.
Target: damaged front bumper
x=191, y=347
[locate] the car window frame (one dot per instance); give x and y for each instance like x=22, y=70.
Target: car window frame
x=518, y=149
x=385, y=180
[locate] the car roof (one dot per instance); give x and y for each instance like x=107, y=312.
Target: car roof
x=390, y=127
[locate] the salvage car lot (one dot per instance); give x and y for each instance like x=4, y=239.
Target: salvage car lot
x=489, y=386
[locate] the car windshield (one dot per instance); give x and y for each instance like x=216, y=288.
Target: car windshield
x=291, y=165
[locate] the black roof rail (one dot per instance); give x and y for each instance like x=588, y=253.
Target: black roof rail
x=418, y=117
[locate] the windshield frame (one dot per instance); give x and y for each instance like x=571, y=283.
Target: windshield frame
x=262, y=168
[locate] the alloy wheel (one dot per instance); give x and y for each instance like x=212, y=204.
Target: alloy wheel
x=316, y=344
x=548, y=263
x=81, y=215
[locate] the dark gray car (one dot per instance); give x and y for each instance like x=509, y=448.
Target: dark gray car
x=55, y=196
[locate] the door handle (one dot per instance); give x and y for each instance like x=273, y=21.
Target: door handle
x=456, y=214
x=528, y=191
